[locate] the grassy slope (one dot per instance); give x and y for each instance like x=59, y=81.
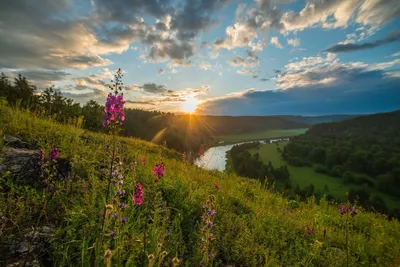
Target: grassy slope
x=253, y=227
x=230, y=139
x=304, y=176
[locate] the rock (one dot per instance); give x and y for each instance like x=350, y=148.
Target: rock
x=13, y=141
x=33, y=244
x=24, y=165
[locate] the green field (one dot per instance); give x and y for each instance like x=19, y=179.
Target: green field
x=304, y=176
x=229, y=139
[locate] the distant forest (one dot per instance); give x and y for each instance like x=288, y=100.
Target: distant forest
x=364, y=151
x=184, y=133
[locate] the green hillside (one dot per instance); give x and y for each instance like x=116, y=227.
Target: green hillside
x=251, y=227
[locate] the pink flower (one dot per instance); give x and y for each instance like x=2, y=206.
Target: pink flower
x=114, y=109
x=137, y=198
x=159, y=171
x=216, y=186
x=143, y=160
x=54, y=153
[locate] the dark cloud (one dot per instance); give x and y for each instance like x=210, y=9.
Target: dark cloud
x=153, y=88
x=264, y=79
x=127, y=10
x=45, y=35
x=338, y=88
x=392, y=37
x=160, y=71
x=255, y=76
x=42, y=75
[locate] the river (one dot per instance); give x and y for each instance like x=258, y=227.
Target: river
x=215, y=157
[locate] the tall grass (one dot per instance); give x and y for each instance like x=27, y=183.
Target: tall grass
x=252, y=226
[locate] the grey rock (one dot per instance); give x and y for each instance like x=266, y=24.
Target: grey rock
x=13, y=141
x=24, y=165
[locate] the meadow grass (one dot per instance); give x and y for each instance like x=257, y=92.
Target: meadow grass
x=252, y=226
x=231, y=139
x=304, y=176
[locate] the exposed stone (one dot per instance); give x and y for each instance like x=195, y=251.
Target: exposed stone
x=24, y=165
x=13, y=141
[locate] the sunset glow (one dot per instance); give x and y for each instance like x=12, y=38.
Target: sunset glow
x=190, y=105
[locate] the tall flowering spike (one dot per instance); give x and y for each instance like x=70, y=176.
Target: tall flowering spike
x=114, y=107
x=137, y=198
x=344, y=209
x=54, y=153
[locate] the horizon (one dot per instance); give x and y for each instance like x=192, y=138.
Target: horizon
x=211, y=57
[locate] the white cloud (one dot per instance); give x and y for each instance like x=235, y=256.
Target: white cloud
x=275, y=42
x=294, y=42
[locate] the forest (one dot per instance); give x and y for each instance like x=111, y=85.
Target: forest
x=363, y=151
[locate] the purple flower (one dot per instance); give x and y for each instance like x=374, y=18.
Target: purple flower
x=209, y=223
x=122, y=206
x=216, y=186
x=124, y=220
x=54, y=153
x=211, y=255
x=203, y=239
x=112, y=234
x=159, y=171
x=41, y=154
x=137, y=198
x=121, y=182
x=114, y=109
x=211, y=212
x=115, y=215
x=205, y=207
x=211, y=236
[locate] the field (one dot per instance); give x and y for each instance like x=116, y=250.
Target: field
x=304, y=176
x=252, y=225
x=230, y=139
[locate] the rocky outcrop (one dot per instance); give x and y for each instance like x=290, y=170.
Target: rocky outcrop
x=23, y=164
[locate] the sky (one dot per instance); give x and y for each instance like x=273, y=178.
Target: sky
x=215, y=57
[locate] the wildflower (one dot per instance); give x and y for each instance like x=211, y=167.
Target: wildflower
x=211, y=255
x=216, y=186
x=115, y=215
x=347, y=209
x=211, y=212
x=114, y=109
x=205, y=206
x=121, y=182
x=203, y=239
x=112, y=234
x=137, y=198
x=122, y=205
x=124, y=220
x=159, y=171
x=309, y=231
x=143, y=161
x=41, y=154
x=211, y=236
x=209, y=223
x=54, y=153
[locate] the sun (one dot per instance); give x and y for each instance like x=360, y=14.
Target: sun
x=190, y=105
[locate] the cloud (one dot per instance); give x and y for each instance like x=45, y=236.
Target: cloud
x=318, y=85
x=275, y=42
x=153, y=88
x=251, y=21
x=204, y=65
x=36, y=37
x=294, y=42
x=264, y=79
x=239, y=61
x=248, y=72
x=39, y=77
x=349, y=47
x=160, y=71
